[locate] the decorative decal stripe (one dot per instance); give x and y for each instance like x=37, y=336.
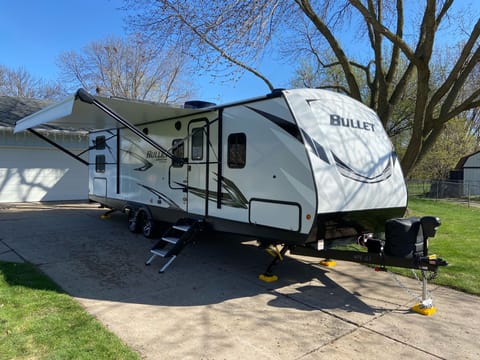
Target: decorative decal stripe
x=315, y=147
x=232, y=196
x=351, y=174
x=161, y=197
x=145, y=163
x=310, y=101
x=289, y=127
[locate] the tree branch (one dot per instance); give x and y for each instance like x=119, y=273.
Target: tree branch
x=460, y=81
x=382, y=91
x=472, y=102
x=217, y=48
x=446, y=5
x=370, y=19
x=457, y=68
x=394, y=60
x=307, y=9
x=338, y=88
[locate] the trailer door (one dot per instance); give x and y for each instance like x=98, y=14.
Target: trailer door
x=197, y=167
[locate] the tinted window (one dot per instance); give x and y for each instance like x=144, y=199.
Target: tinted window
x=237, y=150
x=178, y=150
x=100, y=143
x=197, y=144
x=100, y=163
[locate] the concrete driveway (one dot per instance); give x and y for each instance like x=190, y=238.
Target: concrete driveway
x=210, y=305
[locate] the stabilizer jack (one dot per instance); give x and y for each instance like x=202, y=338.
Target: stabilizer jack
x=278, y=255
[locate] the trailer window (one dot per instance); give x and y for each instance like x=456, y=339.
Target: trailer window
x=237, y=150
x=100, y=143
x=197, y=144
x=100, y=163
x=178, y=150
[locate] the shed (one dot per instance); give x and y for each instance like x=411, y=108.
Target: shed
x=30, y=168
x=467, y=171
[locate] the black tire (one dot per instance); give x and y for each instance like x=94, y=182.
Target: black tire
x=132, y=225
x=133, y=221
x=148, y=227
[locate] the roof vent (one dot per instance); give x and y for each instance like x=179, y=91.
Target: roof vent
x=197, y=104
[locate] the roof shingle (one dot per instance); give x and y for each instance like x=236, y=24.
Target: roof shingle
x=13, y=109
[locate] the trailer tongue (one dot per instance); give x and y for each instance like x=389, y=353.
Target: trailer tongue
x=405, y=246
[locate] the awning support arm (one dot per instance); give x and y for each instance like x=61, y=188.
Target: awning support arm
x=53, y=143
x=84, y=96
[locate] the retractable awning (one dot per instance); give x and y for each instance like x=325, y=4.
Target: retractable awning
x=78, y=112
x=83, y=111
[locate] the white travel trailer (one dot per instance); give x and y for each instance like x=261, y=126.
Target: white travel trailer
x=302, y=168
x=288, y=167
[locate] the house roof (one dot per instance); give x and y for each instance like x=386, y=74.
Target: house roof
x=16, y=108
x=463, y=160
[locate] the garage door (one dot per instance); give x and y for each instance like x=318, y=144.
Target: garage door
x=40, y=174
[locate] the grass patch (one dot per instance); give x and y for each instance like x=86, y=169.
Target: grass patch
x=457, y=241
x=39, y=321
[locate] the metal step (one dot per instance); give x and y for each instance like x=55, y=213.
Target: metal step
x=183, y=228
x=167, y=264
x=170, y=239
x=160, y=252
x=183, y=231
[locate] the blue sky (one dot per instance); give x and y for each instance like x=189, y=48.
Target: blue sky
x=33, y=33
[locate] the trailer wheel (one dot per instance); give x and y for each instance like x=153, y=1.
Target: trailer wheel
x=132, y=225
x=148, y=227
x=133, y=221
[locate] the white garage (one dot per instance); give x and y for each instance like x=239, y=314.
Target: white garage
x=30, y=168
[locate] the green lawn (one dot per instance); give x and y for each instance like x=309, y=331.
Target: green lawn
x=457, y=241
x=39, y=321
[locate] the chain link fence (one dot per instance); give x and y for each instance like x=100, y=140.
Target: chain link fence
x=465, y=192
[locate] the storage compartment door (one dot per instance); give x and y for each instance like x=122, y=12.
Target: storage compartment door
x=100, y=187
x=277, y=214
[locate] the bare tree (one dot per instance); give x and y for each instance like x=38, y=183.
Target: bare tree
x=127, y=68
x=239, y=32
x=19, y=82
x=223, y=35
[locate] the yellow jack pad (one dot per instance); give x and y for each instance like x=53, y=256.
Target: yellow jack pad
x=328, y=262
x=427, y=311
x=268, y=278
x=105, y=216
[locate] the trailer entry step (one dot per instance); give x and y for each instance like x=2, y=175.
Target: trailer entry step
x=174, y=240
